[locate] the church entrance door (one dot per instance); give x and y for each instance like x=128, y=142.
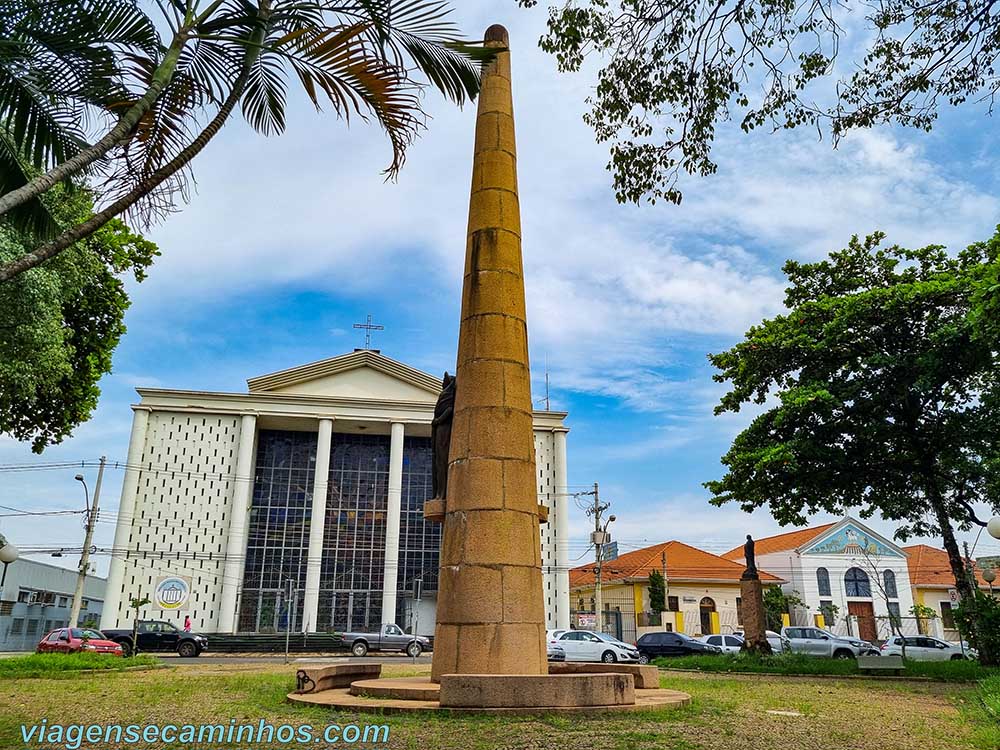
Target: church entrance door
x=865, y=614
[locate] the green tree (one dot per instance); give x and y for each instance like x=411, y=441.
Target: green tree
x=778, y=603
x=60, y=324
x=657, y=592
x=361, y=57
x=879, y=392
x=672, y=72
x=981, y=615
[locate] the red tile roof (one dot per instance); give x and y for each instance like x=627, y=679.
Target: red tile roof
x=684, y=562
x=781, y=542
x=929, y=567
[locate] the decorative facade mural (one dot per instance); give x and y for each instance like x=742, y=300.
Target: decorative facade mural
x=852, y=541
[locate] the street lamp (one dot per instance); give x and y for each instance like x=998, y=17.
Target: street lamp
x=8, y=554
x=989, y=575
x=86, y=492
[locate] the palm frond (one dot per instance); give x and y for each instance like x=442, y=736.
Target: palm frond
x=422, y=32
x=31, y=217
x=58, y=62
x=264, y=98
x=338, y=63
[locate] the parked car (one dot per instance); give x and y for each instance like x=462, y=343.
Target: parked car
x=73, y=640
x=925, y=648
x=652, y=645
x=157, y=635
x=389, y=637
x=729, y=644
x=556, y=652
x=587, y=645
x=818, y=642
x=779, y=643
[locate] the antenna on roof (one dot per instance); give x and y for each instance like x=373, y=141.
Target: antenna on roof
x=548, y=404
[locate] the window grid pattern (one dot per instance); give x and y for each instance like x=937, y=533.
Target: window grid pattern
x=353, y=562
x=857, y=583
x=419, y=540
x=278, y=537
x=823, y=581
x=889, y=582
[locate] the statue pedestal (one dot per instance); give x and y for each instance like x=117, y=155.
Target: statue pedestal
x=754, y=618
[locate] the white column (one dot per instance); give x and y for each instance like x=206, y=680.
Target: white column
x=113, y=593
x=236, y=544
x=395, y=496
x=561, y=530
x=317, y=525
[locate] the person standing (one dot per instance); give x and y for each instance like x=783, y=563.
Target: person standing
x=187, y=623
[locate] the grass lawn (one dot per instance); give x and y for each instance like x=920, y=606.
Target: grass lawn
x=727, y=712
x=66, y=665
x=800, y=664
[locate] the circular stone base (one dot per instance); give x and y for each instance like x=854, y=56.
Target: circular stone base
x=402, y=688
x=341, y=698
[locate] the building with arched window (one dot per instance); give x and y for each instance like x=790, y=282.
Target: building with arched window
x=851, y=579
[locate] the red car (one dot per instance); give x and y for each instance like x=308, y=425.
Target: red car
x=72, y=640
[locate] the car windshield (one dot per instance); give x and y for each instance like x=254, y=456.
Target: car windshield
x=87, y=633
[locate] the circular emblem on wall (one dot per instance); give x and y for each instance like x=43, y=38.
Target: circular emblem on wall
x=171, y=593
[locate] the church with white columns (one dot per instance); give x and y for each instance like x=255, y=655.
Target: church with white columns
x=315, y=480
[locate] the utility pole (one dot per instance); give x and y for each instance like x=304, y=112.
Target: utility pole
x=666, y=583
x=599, y=538
x=90, y=521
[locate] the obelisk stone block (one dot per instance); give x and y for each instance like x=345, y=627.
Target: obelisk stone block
x=490, y=612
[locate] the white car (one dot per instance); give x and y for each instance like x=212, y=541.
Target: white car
x=925, y=648
x=586, y=645
x=730, y=644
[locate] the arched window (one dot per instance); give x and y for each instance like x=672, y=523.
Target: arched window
x=856, y=583
x=823, y=580
x=890, y=584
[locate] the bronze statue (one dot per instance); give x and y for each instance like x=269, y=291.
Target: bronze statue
x=444, y=411
x=751, y=560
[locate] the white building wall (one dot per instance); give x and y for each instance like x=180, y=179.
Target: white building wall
x=183, y=500
x=182, y=513
x=800, y=571
x=555, y=575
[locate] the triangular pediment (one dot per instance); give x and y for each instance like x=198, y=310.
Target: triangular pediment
x=853, y=539
x=364, y=374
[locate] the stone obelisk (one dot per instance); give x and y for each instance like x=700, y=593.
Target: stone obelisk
x=490, y=609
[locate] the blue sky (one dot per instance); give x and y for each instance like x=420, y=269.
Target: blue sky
x=289, y=241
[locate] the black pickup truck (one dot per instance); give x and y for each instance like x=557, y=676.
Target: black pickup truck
x=156, y=635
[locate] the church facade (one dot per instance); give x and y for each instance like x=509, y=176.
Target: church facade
x=299, y=504
x=850, y=579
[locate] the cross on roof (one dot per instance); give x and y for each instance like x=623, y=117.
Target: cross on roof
x=368, y=328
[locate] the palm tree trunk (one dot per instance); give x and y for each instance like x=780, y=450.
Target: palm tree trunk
x=146, y=186
x=120, y=132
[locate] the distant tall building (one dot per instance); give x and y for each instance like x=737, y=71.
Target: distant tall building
x=317, y=475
